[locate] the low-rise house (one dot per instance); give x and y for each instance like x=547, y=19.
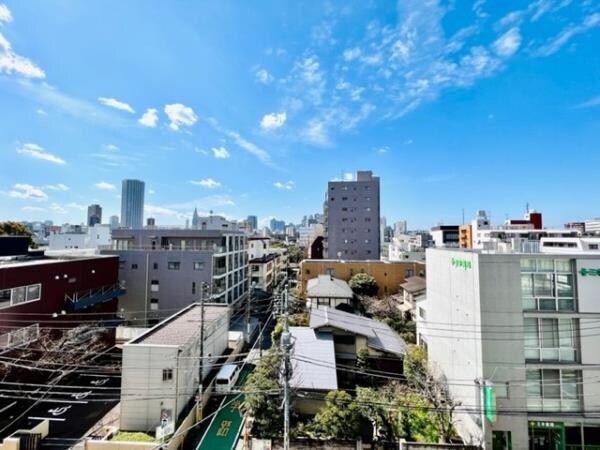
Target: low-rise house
x=161, y=368
x=326, y=291
x=412, y=290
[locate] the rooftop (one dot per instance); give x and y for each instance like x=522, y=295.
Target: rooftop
x=414, y=284
x=181, y=327
x=265, y=258
x=35, y=260
x=379, y=335
x=325, y=286
x=321, y=374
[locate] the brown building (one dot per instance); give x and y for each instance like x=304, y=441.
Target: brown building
x=388, y=274
x=465, y=236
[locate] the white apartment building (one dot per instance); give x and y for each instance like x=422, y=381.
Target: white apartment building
x=264, y=263
x=88, y=238
x=522, y=325
x=161, y=368
x=406, y=247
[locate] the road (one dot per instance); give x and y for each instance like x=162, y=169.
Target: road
x=226, y=425
x=72, y=402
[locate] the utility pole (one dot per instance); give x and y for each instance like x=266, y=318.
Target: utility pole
x=248, y=300
x=286, y=345
x=203, y=288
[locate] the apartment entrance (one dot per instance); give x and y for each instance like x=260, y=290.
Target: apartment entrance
x=546, y=435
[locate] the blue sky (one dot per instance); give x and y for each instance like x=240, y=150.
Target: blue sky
x=250, y=107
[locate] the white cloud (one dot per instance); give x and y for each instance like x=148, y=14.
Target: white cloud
x=33, y=208
x=116, y=104
x=151, y=191
x=316, y=132
x=557, y=42
x=507, y=44
x=149, y=118
x=263, y=76
x=207, y=183
x=57, y=187
x=111, y=147
x=351, y=54
x=594, y=101
x=220, y=152
x=201, y=151
x=382, y=150
x=5, y=15
x=10, y=62
x=35, y=151
x=287, y=185
x=27, y=191
x=59, y=209
x=408, y=142
x=273, y=120
x=41, y=112
x=179, y=115
x=106, y=186
x=155, y=210
x=78, y=206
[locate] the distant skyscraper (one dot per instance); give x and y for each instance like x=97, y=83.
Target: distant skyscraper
x=150, y=222
x=114, y=222
x=94, y=215
x=277, y=226
x=132, y=204
x=195, y=219
x=352, y=218
x=253, y=221
x=400, y=227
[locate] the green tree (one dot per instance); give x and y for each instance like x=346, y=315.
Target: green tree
x=262, y=398
x=339, y=418
x=416, y=418
x=295, y=254
x=363, y=284
x=376, y=408
x=17, y=229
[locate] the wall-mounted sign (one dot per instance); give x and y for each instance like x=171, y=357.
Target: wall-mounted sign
x=458, y=262
x=589, y=272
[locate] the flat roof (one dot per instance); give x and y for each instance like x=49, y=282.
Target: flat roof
x=181, y=327
x=10, y=262
x=227, y=370
x=357, y=261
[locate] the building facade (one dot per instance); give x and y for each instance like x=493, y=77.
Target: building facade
x=92, y=238
x=164, y=269
x=388, y=275
x=94, y=215
x=351, y=212
x=515, y=327
x=161, y=368
x=264, y=264
x=132, y=204
x=253, y=222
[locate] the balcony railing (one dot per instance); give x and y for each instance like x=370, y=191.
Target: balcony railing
x=220, y=271
x=90, y=297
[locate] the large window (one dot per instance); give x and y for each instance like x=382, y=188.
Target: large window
x=173, y=265
x=553, y=390
x=547, y=285
x=548, y=339
x=21, y=294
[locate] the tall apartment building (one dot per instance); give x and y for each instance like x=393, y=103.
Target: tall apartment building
x=253, y=222
x=94, y=215
x=164, y=269
x=518, y=327
x=132, y=204
x=351, y=212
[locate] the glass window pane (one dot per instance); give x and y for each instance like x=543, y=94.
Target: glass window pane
x=563, y=265
x=532, y=354
x=551, y=383
x=542, y=284
x=547, y=304
x=549, y=333
x=569, y=383
x=527, y=285
x=566, y=304
x=527, y=265
x=529, y=303
x=18, y=295
x=534, y=386
x=4, y=297
x=531, y=333
x=33, y=292
x=565, y=332
x=564, y=285
x=545, y=265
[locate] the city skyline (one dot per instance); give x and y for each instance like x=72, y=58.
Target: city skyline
x=252, y=110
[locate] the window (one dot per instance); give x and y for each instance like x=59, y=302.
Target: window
x=154, y=285
x=33, y=292
x=502, y=390
x=134, y=266
x=593, y=246
x=549, y=339
x=5, y=297
x=122, y=264
x=155, y=266
x=18, y=295
x=553, y=390
x=198, y=265
x=501, y=440
x=173, y=265
x=167, y=374
x=153, y=304
x=422, y=313
x=547, y=285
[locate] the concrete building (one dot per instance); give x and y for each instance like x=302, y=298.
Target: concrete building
x=407, y=247
x=132, y=204
x=351, y=212
x=326, y=291
x=90, y=238
x=465, y=236
x=94, y=215
x=400, y=227
x=37, y=291
x=164, y=269
x=277, y=226
x=445, y=236
x=114, y=222
x=253, y=222
x=161, y=368
x=389, y=275
x=513, y=326
x=592, y=226
x=264, y=263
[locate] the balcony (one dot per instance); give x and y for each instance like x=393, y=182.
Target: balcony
x=219, y=271
x=90, y=297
